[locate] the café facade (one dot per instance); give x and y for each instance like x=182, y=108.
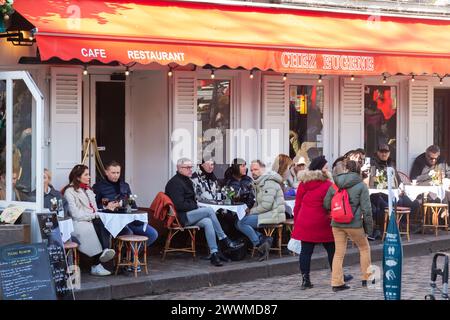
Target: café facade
x=146, y=82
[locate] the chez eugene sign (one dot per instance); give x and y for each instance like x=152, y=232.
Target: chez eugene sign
x=277, y=60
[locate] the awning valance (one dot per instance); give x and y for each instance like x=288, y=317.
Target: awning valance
x=283, y=40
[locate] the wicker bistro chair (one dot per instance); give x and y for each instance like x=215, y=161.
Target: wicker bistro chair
x=269, y=230
x=176, y=228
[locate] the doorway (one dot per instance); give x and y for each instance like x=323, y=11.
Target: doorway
x=106, y=123
x=441, y=119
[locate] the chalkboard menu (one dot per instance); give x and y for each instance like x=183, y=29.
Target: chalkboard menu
x=51, y=236
x=25, y=273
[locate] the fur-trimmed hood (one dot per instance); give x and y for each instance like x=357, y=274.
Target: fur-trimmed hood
x=314, y=175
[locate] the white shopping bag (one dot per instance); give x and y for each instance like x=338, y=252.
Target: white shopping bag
x=294, y=245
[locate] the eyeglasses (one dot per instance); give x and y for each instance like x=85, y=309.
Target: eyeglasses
x=188, y=167
x=432, y=158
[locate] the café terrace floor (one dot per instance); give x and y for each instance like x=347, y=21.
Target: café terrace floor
x=179, y=272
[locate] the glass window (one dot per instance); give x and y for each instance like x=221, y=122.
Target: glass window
x=380, y=118
x=213, y=112
x=306, y=104
x=24, y=153
x=2, y=139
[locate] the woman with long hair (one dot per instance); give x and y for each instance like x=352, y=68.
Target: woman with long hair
x=88, y=228
x=282, y=165
x=358, y=193
x=237, y=178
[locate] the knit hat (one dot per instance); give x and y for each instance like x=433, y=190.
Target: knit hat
x=318, y=163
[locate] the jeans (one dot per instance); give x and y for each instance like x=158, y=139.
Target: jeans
x=307, y=251
x=206, y=218
x=102, y=234
x=380, y=203
x=137, y=228
x=340, y=238
x=248, y=226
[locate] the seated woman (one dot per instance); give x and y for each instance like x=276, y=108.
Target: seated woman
x=282, y=165
x=51, y=193
x=237, y=178
x=88, y=227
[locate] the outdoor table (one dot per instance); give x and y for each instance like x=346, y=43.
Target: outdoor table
x=115, y=222
x=239, y=209
x=290, y=204
x=66, y=228
x=413, y=191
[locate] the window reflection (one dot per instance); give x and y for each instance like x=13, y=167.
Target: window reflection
x=306, y=105
x=23, y=180
x=213, y=112
x=380, y=118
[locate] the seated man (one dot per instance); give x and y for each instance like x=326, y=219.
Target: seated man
x=377, y=177
x=269, y=207
x=180, y=190
x=205, y=181
x=114, y=189
x=428, y=166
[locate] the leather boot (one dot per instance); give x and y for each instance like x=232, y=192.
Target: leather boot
x=306, y=282
x=222, y=257
x=215, y=260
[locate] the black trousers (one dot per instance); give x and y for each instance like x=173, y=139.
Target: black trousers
x=103, y=235
x=307, y=251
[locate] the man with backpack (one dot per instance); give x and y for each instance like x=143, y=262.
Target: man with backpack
x=351, y=216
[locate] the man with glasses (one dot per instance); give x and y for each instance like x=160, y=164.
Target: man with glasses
x=428, y=165
x=180, y=189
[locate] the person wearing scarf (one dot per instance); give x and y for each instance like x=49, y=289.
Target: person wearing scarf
x=88, y=228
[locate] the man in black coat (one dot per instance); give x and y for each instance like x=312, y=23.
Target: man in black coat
x=428, y=164
x=115, y=190
x=180, y=190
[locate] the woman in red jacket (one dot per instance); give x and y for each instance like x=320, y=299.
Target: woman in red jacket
x=311, y=220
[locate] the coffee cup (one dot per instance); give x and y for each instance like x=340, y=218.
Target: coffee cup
x=414, y=182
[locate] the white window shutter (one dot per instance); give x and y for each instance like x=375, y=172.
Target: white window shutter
x=420, y=130
x=351, y=116
x=66, y=123
x=184, y=128
x=275, y=119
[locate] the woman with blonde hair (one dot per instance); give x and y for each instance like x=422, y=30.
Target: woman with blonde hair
x=282, y=166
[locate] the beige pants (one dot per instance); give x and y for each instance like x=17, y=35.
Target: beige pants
x=358, y=236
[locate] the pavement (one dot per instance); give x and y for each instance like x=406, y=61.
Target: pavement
x=180, y=273
x=415, y=285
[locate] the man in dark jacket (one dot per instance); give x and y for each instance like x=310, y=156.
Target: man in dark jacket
x=114, y=190
x=378, y=175
x=429, y=164
x=180, y=190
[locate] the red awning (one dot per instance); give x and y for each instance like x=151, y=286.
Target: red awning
x=283, y=40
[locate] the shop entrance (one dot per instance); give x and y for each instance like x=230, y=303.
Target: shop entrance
x=441, y=121
x=105, y=123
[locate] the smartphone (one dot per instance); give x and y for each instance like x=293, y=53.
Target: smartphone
x=367, y=161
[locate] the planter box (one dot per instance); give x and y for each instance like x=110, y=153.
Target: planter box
x=14, y=233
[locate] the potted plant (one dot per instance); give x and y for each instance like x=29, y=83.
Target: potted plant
x=6, y=10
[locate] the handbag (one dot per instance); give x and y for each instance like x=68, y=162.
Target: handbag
x=294, y=245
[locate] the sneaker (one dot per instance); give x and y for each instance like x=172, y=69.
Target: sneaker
x=98, y=270
x=107, y=255
x=131, y=269
x=340, y=288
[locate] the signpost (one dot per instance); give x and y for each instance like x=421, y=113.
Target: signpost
x=25, y=273
x=51, y=236
x=392, y=251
